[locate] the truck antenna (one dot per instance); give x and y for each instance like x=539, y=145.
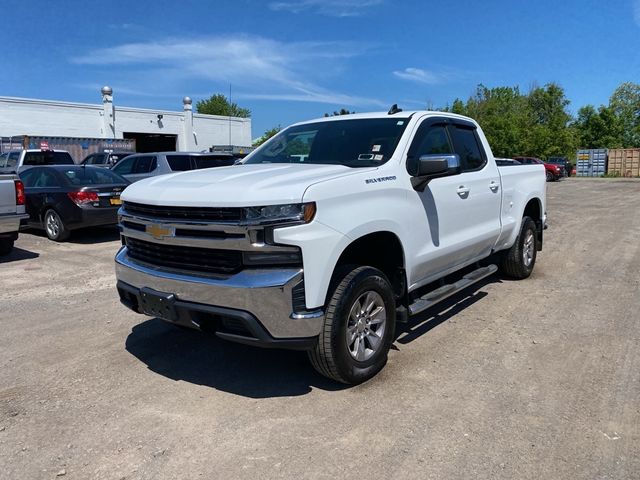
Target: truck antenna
x=394, y=109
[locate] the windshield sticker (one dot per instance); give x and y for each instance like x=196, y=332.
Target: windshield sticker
x=400, y=122
x=376, y=148
x=365, y=156
x=378, y=157
x=380, y=179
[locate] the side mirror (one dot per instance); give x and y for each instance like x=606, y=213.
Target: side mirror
x=434, y=165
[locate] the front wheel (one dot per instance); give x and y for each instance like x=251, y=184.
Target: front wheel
x=358, y=327
x=519, y=260
x=549, y=176
x=54, y=226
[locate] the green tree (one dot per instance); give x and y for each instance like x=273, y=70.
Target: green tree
x=502, y=113
x=625, y=103
x=598, y=128
x=342, y=111
x=549, y=133
x=218, y=104
x=266, y=135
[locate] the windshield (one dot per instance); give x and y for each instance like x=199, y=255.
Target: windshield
x=354, y=143
x=47, y=157
x=92, y=176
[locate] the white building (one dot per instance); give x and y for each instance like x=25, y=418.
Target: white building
x=153, y=130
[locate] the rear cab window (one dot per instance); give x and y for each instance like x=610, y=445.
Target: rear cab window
x=47, y=158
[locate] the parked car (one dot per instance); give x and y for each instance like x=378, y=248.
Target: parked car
x=15, y=161
x=505, y=162
x=553, y=172
x=63, y=198
x=563, y=163
x=104, y=159
x=144, y=165
x=12, y=210
x=330, y=233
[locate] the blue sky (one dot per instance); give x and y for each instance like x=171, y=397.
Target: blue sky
x=292, y=60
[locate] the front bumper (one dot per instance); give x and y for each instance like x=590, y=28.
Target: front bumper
x=253, y=306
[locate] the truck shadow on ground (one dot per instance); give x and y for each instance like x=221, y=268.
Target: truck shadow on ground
x=18, y=254
x=84, y=236
x=203, y=359
x=422, y=323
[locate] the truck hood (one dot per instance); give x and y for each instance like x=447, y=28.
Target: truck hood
x=234, y=186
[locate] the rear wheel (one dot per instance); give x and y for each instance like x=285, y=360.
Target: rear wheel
x=519, y=260
x=549, y=176
x=358, y=328
x=54, y=226
x=6, y=245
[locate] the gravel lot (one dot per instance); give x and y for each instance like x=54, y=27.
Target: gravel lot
x=531, y=379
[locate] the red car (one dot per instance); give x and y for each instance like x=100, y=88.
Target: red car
x=554, y=172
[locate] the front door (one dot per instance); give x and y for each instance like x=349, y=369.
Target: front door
x=462, y=211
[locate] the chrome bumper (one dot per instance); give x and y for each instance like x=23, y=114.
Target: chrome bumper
x=265, y=294
x=11, y=222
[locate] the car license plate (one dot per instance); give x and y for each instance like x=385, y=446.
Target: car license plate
x=115, y=201
x=158, y=304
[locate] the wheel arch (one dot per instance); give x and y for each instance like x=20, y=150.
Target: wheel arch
x=380, y=249
x=533, y=209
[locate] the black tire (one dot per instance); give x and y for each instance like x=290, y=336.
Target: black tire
x=549, y=176
x=332, y=355
x=514, y=263
x=54, y=226
x=6, y=245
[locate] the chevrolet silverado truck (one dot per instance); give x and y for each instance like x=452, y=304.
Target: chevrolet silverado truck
x=329, y=234
x=12, y=211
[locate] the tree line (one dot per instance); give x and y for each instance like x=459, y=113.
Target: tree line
x=538, y=123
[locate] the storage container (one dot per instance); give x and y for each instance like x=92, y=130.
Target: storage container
x=624, y=162
x=591, y=163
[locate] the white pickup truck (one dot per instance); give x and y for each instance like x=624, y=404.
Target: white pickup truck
x=329, y=234
x=12, y=210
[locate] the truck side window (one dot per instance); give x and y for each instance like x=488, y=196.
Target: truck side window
x=465, y=143
x=430, y=140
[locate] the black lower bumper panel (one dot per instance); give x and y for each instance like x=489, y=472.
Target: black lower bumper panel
x=227, y=323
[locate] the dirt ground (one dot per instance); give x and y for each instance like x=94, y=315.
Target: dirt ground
x=532, y=379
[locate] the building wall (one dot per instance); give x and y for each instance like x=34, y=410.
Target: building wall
x=19, y=116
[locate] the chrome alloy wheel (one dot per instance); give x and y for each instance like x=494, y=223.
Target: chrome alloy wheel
x=53, y=225
x=366, y=326
x=528, y=248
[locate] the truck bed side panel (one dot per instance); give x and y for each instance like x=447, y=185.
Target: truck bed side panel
x=520, y=184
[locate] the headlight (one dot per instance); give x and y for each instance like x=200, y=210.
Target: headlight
x=295, y=212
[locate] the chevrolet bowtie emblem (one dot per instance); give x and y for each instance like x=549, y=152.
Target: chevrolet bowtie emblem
x=158, y=231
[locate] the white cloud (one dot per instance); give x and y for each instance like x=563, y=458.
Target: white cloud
x=417, y=75
x=251, y=64
x=334, y=8
x=636, y=11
